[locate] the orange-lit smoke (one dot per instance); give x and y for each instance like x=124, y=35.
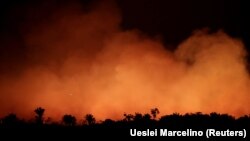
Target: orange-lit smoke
x=82, y=62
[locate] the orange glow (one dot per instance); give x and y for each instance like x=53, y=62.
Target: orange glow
x=83, y=63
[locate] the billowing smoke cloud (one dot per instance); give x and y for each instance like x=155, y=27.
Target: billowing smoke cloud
x=80, y=61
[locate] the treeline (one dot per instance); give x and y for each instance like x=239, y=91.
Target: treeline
x=149, y=120
x=12, y=127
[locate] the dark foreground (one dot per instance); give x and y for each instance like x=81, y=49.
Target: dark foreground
x=170, y=127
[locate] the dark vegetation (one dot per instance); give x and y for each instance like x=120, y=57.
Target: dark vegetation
x=69, y=126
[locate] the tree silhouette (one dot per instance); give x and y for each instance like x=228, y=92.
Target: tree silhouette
x=146, y=117
x=39, y=115
x=128, y=117
x=155, y=112
x=90, y=120
x=69, y=120
x=108, y=122
x=138, y=117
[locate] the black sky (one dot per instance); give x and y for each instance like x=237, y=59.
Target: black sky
x=173, y=20
x=176, y=19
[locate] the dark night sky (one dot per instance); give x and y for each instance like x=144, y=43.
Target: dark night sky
x=173, y=20
x=176, y=19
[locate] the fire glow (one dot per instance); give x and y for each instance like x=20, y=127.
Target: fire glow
x=82, y=62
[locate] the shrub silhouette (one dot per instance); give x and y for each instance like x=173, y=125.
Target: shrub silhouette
x=146, y=117
x=69, y=120
x=10, y=120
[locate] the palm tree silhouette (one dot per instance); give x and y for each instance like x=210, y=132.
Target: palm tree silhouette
x=39, y=115
x=90, y=119
x=69, y=120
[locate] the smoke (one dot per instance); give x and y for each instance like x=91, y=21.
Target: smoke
x=80, y=61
